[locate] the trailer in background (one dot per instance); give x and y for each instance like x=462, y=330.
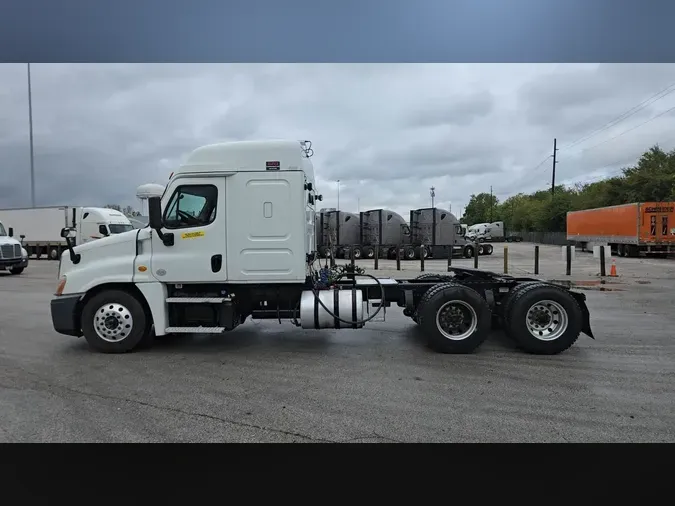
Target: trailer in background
x=40, y=227
x=437, y=233
x=337, y=232
x=628, y=229
x=383, y=230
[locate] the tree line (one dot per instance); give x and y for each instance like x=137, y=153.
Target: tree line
x=652, y=178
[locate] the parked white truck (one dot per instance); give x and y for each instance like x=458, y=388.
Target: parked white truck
x=233, y=237
x=40, y=227
x=13, y=257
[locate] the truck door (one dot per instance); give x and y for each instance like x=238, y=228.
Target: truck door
x=195, y=215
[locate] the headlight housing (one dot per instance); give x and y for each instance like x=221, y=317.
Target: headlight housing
x=61, y=285
x=24, y=253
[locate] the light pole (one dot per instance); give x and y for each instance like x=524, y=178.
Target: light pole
x=338, y=203
x=30, y=129
x=432, y=192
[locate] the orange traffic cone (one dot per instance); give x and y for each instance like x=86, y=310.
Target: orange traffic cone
x=612, y=270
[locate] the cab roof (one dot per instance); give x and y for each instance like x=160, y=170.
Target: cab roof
x=248, y=156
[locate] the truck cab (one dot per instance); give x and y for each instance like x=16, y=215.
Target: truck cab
x=13, y=256
x=233, y=217
x=97, y=222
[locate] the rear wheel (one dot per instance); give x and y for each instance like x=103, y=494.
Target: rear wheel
x=481, y=249
x=114, y=321
x=489, y=249
x=357, y=253
x=409, y=253
x=455, y=318
x=544, y=319
x=369, y=252
x=468, y=252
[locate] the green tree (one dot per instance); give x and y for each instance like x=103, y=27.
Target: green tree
x=481, y=208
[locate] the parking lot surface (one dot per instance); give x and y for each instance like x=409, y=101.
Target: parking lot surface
x=266, y=382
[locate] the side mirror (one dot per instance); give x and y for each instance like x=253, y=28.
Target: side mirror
x=65, y=232
x=155, y=213
x=11, y=232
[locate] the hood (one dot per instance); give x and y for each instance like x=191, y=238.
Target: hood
x=107, y=243
x=5, y=239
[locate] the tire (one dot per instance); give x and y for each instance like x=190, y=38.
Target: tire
x=327, y=253
x=421, y=251
x=489, y=249
x=556, y=308
x=481, y=239
x=53, y=254
x=357, y=253
x=468, y=305
x=409, y=253
x=369, y=252
x=481, y=250
x=468, y=252
x=16, y=270
x=442, y=278
x=124, y=307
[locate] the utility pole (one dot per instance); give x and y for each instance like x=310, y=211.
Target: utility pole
x=555, y=150
x=30, y=129
x=432, y=192
x=491, y=203
x=338, y=204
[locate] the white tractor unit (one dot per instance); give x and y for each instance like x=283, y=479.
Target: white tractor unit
x=233, y=236
x=13, y=256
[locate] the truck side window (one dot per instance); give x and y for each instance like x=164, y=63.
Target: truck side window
x=191, y=206
x=102, y=230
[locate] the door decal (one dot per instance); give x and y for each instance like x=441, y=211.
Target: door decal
x=652, y=227
x=664, y=225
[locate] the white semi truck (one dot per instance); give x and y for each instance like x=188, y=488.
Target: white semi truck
x=13, y=257
x=40, y=227
x=233, y=236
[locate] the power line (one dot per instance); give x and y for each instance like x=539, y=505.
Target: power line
x=630, y=129
x=657, y=96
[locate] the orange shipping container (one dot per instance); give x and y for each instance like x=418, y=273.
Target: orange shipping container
x=638, y=224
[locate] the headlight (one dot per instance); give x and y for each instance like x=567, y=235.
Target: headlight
x=24, y=253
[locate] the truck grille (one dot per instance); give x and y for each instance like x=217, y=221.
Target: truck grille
x=10, y=251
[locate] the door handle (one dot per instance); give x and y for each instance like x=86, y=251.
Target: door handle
x=216, y=263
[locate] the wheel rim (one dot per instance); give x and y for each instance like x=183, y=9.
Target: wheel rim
x=547, y=320
x=113, y=322
x=371, y=253
x=456, y=320
x=357, y=254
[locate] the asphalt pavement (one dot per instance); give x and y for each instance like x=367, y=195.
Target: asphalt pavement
x=266, y=382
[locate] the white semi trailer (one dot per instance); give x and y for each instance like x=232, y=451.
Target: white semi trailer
x=233, y=236
x=40, y=227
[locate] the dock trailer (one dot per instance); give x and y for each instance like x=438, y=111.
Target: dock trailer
x=234, y=236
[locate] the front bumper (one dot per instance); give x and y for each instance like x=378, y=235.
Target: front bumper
x=9, y=263
x=65, y=314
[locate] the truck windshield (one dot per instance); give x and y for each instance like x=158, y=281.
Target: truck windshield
x=2, y=230
x=118, y=229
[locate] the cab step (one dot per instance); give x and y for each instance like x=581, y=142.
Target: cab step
x=194, y=330
x=197, y=300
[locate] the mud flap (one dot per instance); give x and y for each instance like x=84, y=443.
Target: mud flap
x=586, y=326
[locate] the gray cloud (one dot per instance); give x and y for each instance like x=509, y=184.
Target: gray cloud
x=388, y=132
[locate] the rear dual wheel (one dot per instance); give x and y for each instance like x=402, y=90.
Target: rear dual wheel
x=541, y=318
x=455, y=318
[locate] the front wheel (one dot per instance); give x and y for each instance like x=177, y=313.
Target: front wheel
x=468, y=252
x=114, y=321
x=16, y=270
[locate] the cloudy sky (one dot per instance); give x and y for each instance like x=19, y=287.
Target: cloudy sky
x=388, y=131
